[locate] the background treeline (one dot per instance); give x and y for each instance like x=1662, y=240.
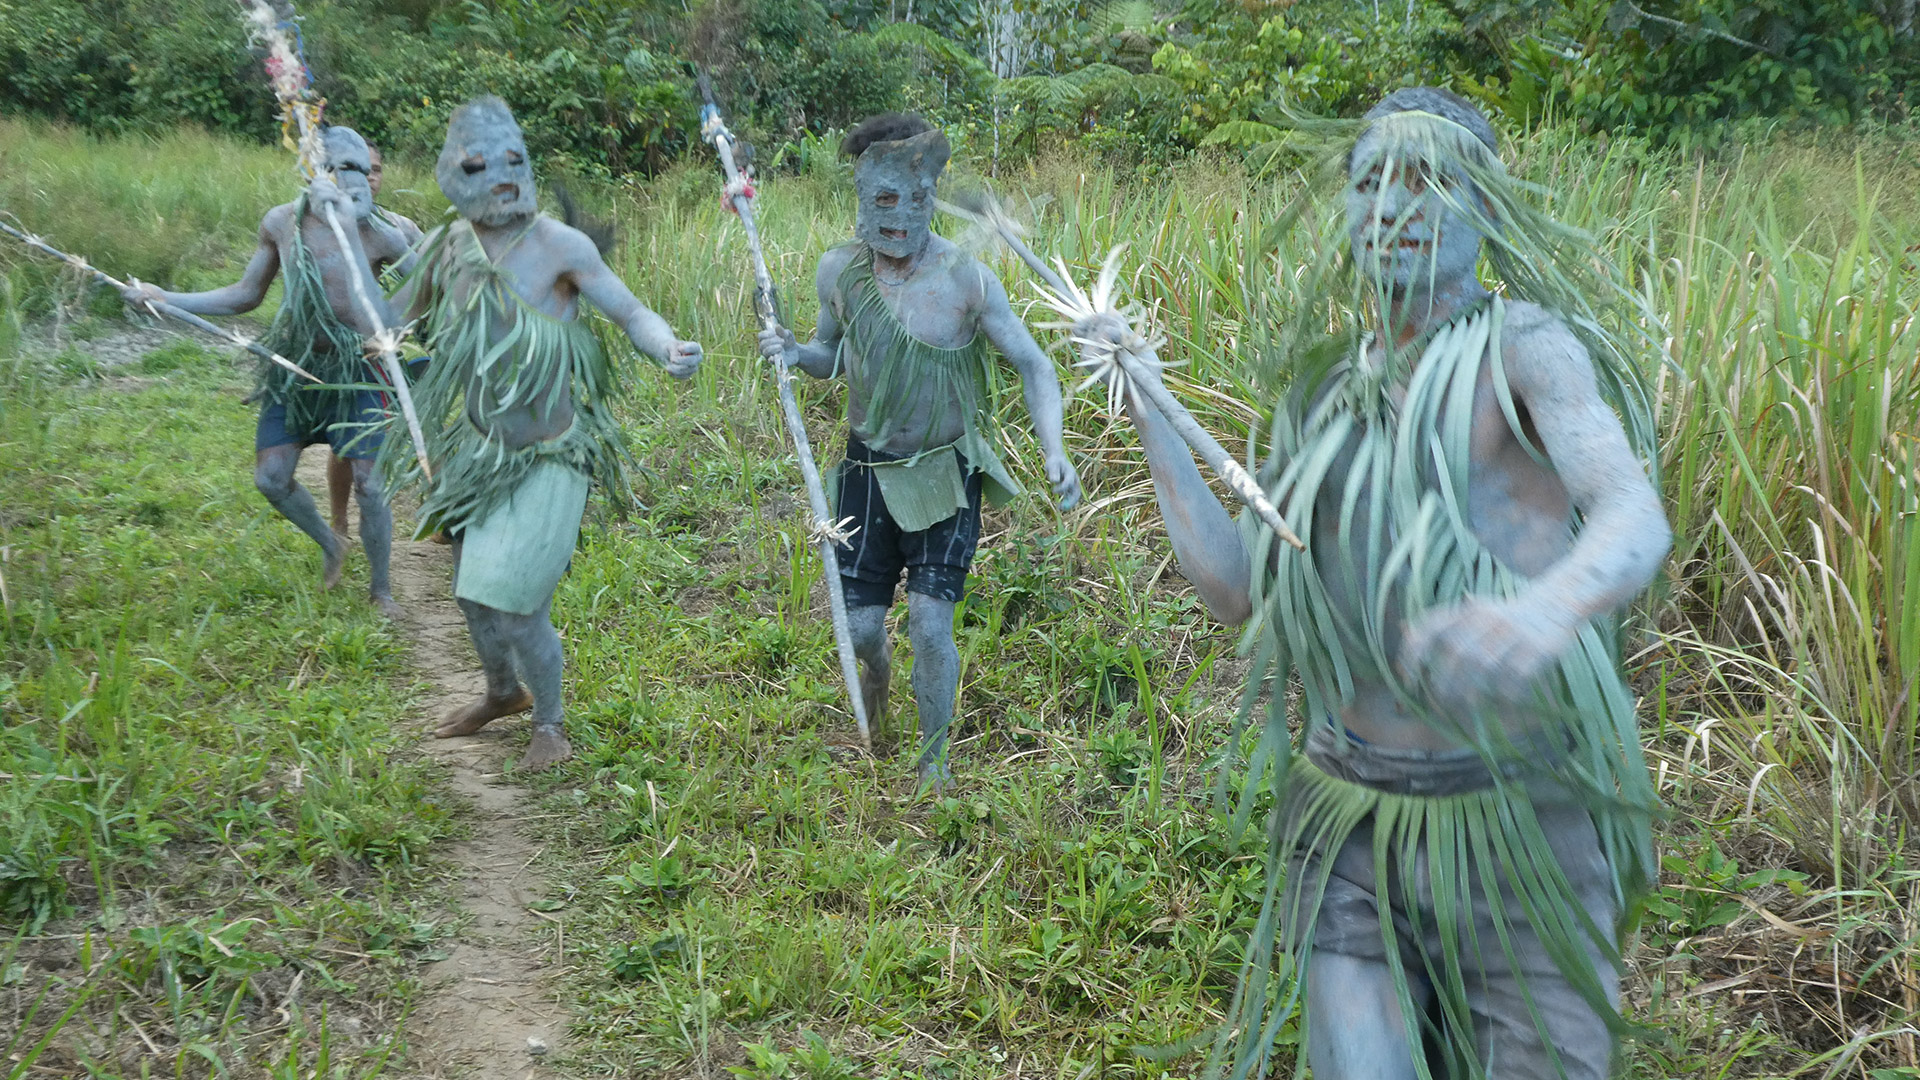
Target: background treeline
x=605, y=86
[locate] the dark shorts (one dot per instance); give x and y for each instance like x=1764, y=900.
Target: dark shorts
x=351, y=440
x=936, y=558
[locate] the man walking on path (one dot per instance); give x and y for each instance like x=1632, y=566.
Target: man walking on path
x=320, y=329
x=517, y=405
x=906, y=318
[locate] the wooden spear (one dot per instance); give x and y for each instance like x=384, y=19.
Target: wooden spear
x=287, y=71
x=827, y=534
x=158, y=307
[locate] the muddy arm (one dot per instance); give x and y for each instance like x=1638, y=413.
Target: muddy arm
x=236, y=299
x=1205, y=539
x=1037, y=380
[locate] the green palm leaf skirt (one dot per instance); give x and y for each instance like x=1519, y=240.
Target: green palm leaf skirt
x=306, y=331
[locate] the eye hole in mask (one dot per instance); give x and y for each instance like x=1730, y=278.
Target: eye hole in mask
x=887, y=200
x=514, y=158
x=474, y=164
x=348, y=166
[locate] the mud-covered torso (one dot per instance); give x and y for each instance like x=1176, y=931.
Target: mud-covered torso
x=891, y=405
x=1514, y=505
x=499, y=402
x=382, y=245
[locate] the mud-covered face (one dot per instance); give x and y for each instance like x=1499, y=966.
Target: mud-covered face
x=348, y=160
x=1408, y=222
x=483, y=169
x=895, y=182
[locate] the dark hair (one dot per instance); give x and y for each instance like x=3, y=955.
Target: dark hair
x=1439, y=102
x=886, y=127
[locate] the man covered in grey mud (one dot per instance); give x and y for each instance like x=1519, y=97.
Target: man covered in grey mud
x=906, y=318
x=321, y=329
x=517, y=405
x=1465, y=818
x=339, y=469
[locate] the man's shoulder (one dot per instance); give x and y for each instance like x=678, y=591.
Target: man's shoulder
x=1524, y=318
x=959, y=264
x=576, y=247
x=1538, y=347
x=838, y=256
x=279, y=219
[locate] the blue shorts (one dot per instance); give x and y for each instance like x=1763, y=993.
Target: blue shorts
x=359, y=439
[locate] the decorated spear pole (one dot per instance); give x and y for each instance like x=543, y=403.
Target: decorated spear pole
x=827, y=533
x=1127, y=362
x=300, y=128
x=158, y=307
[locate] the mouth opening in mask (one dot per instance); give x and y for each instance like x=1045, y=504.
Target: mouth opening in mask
x=507, y=192
x=893, y=234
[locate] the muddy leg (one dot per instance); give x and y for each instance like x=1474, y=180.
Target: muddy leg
x=936, y=679
x=376, y=533
x=869, y=625
x=273, y=476
x=339, y=488
x=537, y=651
x=1355, y=1027
x=505, y=696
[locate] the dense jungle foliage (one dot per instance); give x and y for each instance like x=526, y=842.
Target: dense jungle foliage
x=606, y=86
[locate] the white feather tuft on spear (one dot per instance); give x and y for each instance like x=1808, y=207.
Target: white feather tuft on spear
x=1116, y=346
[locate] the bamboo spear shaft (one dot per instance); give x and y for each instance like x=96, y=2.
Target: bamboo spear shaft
x=158, y=307
x=288, y=74
x=1130, y=360
x=827, y=534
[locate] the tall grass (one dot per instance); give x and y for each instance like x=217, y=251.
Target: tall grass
x=1779, y=656
x=735, y=878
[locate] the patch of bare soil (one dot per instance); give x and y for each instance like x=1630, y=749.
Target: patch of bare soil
x=488, y=998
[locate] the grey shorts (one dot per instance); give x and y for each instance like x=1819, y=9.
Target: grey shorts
x=1530, y=1021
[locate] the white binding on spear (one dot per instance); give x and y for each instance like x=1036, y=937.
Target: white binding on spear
x=157, y=307
x=288, y=74
x=1128, y=360
x=827, y=534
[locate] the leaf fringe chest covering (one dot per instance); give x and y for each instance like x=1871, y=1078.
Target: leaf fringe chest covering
x=306, y=331
x=1405, y=546
x=907, y=377
x=493, y=355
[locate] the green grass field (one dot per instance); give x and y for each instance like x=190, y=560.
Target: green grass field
x=739, y=891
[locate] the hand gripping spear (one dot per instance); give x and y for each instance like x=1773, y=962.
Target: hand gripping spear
x=301, y=131
x=158, y=307
x=827, y=533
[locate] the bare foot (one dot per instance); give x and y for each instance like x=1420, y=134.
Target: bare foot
x=548, y=748
x=336, y=563
x=387, y=607
x=341, y=533
x=471, y=718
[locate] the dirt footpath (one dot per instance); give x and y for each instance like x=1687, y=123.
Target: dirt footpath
x=488, y=998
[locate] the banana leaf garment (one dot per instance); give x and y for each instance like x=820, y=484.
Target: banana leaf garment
x=306, y=331
x=927, y=487
x=1397, y=468
x=492, y=353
